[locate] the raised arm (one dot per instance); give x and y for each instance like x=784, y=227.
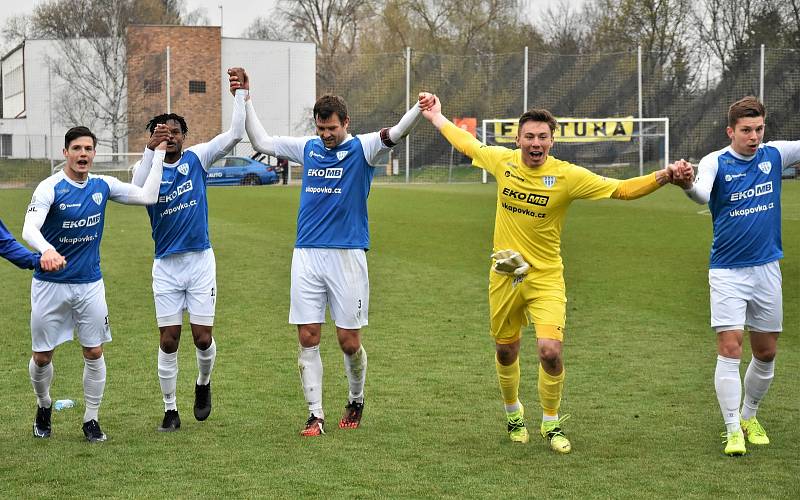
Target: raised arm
x=222, y=144
x=14, y=252
x=391, y=136
x=459, y=138
x=142, y=169
x=131, y=194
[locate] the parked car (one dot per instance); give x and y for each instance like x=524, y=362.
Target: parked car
x=240, y=170
x=790, y=172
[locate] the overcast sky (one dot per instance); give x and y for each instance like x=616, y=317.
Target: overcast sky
x=236, y=15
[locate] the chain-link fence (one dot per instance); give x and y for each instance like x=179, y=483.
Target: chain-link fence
x=379, y=87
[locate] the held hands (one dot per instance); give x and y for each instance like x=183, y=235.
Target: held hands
x=430, y=105
x=159, y=138
x=510, y=263
x=682, y=173
x=238, y=79
x=52, y=261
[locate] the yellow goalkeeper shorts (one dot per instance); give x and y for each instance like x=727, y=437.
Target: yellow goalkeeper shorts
x=513, y=303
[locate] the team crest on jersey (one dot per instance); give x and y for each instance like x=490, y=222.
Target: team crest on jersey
x=765, y=166
x=340, y=155
x=549, y=180
x=98, y=198
x=183, y=168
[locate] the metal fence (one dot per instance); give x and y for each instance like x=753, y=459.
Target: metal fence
x=379, y=87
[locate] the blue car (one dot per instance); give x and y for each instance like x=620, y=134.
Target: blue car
x=240, y=170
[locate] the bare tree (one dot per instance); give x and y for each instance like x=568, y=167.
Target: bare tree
x=724, y=26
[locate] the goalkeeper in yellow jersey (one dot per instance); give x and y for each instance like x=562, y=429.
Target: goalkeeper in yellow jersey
x=526, y=282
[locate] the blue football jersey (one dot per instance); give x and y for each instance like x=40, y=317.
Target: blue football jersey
x=179, y=219
x=74, y=224
x=333, y=198
x=745, y=204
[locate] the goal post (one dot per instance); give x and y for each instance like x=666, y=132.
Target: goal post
x=619, y=147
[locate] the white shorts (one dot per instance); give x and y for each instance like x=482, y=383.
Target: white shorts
x=334, y=277
x=185, y=281
x=57, y=309
x=747, y=296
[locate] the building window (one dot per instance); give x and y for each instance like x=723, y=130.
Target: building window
x=152, y=86
x=197, y=87
x=14, y=82
x=5, y=144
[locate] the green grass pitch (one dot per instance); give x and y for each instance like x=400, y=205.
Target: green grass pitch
x=638, y=353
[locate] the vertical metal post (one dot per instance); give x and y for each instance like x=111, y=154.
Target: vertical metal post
x=761, y=77
x=641, y=111
x=666, y=142
x=408, y=105
x=169, y=96
x=50, y=118
x=525, y=84
x=289, y=130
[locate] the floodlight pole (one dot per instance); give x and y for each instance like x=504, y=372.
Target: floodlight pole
x=641, y=107
x=408, y=105
x=525, y=84
x=761, y=77
x=169, y=97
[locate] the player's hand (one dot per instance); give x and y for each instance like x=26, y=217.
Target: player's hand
x=52, y=261
x=160, y=135
x=426, y=100
x=683, y=174
x=162, y=146
x=431, y=109
x=509, y=262
x=238, y=79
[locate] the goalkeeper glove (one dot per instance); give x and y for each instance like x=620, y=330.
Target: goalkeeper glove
x=509, y=262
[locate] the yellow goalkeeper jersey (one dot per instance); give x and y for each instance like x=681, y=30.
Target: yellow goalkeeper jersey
x=532, y=203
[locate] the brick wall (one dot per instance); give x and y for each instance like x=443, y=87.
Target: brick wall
x=194, y=56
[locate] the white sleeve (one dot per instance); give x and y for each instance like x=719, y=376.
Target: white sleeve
x=789, y=150
x=34, y=218
x=700, y=191
x=142, y=168
x=131, y=194
x=290, y=148
x=373, y=146
x=406, y=124
x=219, y=146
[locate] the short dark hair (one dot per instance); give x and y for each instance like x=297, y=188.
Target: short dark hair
x=76, y=132
x=539, y=115
x=747, y=107
x=328, y=105
x=151, y=125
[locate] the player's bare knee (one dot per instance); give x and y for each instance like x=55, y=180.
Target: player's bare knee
x=170, y=338
x=349, y=340
x=507, y=353
x=202, y=336
x=550, y=355
x=309, y=335
x=42, y=358
x=93, y=352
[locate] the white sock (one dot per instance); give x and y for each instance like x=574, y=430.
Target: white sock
x=513, y=407
x=205, y=363
x=549, y=418
x=168, y=377
x=355, y=366
x=310, y=364
x=728, y=384
x=41, y=378
x=757, y=379
x=94, y=383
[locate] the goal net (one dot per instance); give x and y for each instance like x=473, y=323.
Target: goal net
x=613, y=147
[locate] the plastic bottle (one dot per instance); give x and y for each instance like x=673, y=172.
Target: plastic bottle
x=63, y=404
